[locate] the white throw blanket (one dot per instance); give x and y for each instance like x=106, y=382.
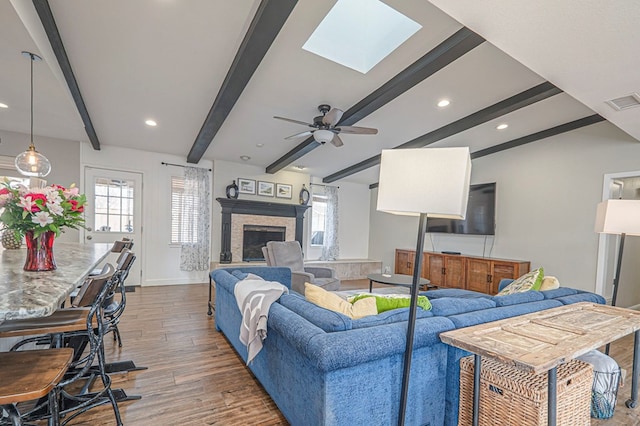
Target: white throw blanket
x=254, y=298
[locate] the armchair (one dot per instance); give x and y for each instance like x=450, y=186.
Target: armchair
x=289, y=254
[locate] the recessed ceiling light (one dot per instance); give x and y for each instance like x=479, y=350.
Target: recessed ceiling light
x=4, y=105
x=443, y=103
x=502, y=126
x=259, y=145
x=245, y=158
x=151, y=123
x=299, y=167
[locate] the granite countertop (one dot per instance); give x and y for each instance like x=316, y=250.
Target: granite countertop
x=36, y=294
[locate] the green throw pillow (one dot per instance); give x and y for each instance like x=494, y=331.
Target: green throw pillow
x=530, y=281
x=387, y=302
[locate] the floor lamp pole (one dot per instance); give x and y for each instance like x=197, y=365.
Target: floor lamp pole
x=616, y=280
x=417, y=268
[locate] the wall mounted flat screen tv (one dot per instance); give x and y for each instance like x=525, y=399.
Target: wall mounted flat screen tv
x=480, y=217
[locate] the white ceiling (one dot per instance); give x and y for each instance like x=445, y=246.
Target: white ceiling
x=166, y=60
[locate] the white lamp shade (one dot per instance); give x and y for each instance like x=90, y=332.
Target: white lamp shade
x=425, y=180
x=618, y=217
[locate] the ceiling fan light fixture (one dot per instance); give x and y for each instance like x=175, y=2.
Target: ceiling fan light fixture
x=323, y=136
x=31, y=162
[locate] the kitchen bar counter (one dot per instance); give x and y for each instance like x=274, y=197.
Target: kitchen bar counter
x=37, y=294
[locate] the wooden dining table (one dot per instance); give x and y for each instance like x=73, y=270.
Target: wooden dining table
x=26, y=294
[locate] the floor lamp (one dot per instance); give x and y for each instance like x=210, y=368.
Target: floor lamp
x=426, y=182
x=618, y=217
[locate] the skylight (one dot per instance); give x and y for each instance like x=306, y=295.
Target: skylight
x=360, y=33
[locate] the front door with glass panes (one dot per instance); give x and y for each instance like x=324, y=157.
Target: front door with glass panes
x=113, y=211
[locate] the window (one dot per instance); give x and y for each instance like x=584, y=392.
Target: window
x=113, y=205
x=318, y=219
x=184, y=208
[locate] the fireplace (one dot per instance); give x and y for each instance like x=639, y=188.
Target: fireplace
x=250, y=212
x=254, y=237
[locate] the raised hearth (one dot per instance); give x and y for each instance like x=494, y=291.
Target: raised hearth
x=278, y=213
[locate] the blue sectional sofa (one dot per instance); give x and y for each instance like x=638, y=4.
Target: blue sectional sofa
x=323, y=368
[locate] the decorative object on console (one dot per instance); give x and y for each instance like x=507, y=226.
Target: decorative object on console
x=247, y=186
x=40, y=214
x=266, y=189
x=284, y=190
x=304, y=195
x=618, y=217
x=232, y=190
x=429, y=182
x=31, y=162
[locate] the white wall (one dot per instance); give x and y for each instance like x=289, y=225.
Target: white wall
x=547, y=193
x=160, y=261
x=64, y=156
x=353, y=202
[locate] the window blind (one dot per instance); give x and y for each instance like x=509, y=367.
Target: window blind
x=184, y=211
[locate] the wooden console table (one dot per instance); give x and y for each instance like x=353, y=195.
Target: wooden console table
x=540, y=341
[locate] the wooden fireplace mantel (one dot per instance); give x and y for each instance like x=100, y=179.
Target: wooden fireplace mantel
x=259, y=208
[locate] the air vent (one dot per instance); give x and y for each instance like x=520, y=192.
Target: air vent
x=625, y=102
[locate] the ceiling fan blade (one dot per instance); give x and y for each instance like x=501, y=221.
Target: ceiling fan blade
x=336, y=141
x=297, y=135
x=332, y=117
x=294, y=121
x=357, y=130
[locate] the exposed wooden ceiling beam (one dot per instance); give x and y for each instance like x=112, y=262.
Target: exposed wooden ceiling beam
x=543, y=134
x=50, y=27
x=265, y=26
x=522, y=99
x=461, y=42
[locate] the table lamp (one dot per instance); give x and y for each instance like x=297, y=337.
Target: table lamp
x=618, y=217
x=425, y=182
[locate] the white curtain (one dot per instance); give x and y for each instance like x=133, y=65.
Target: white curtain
x=330, y=246
x=194, y=256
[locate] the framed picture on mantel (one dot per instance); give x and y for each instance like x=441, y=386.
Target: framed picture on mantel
x=284, y=190
x=266, y=189
x=246, y=186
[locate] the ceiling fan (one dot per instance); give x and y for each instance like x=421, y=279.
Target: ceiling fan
x=325, y=127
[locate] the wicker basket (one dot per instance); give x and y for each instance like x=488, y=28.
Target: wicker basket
x=509, y=396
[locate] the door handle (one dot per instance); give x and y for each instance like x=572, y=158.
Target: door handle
x=489, y=278
x=444, y=271
x=89, y=237
x=89, y=229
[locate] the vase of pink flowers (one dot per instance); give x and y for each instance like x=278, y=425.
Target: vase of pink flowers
x=40, y=215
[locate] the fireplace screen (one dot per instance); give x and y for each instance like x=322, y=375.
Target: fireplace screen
x=254, y=237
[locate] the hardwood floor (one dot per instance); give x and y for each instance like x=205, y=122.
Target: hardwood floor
x=196, y=378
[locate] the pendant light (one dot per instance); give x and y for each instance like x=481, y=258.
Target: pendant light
x=31, y=162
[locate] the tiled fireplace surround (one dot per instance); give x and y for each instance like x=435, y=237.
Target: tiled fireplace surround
x=237, y=213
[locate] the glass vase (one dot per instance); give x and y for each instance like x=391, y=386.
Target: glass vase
x=40, y=252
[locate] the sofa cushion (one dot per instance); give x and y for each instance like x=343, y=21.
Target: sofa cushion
x=486, y=315
x=529, y=281
x=559, y=292
x=582, y=296
x=327, y=320
x=517, y=298
x=454, y=292
x=388, y=302
x=325, y=299
x=446, y=306
x=388, y=317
